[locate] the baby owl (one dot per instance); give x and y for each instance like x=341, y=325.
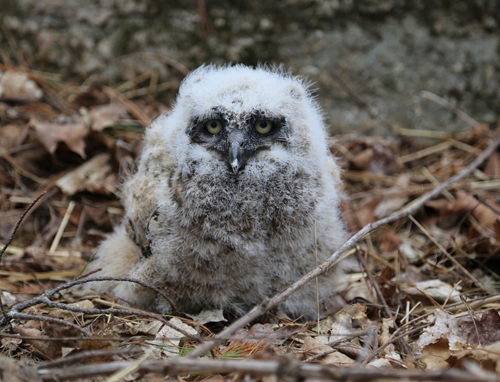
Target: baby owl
x=235, y=198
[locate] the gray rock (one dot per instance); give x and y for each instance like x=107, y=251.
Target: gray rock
x=387, y=51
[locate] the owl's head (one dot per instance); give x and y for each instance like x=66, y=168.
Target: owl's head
x=239, y=115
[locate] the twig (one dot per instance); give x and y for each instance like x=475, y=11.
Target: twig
x=447, y=105
x=391, y=341
x=27, y=316
x=18, y=224
x=387, y=310
x=87, y=355
x=483, y=201
x=62, y=226
x=280, y=368
x=337, y=342
x=45, y=299
x=50, y=293
x=267, y=304
x=23, y=215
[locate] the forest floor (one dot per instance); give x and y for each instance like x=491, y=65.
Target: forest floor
x=424, y=307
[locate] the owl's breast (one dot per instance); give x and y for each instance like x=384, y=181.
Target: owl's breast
x=264, y=200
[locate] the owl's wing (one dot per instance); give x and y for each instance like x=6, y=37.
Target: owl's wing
x=140, y=192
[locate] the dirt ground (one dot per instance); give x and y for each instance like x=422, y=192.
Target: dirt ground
x=425, y=305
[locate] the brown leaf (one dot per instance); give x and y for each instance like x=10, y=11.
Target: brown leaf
x=91, y=97
x=95, y=175
x=98, y=213
x=48, y=349
x=17, y=371
x=362, y=160
x=366, y=213
x=16, y=86
x=12, y=136
x=349, y=216
x=492, y=166
x=313, y=347
x=488, y=328
x=464, y=204
x=72, y=134
x=106, y=115
x=435, y=356
x=389, y=241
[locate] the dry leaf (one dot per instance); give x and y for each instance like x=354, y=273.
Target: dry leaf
x=485, y=331
x=489, y=353
x=492, y=166
x=168, y=339
x=17, y=371
x=436, y=289
x=106, y=115
x=16, y=86
x=209, y=315
x=389, y=241
x=313, y=347
x=72, y=134
x=435, y=356
x=49, y=349
x=445, y=327
x=95, y=175
x=362, y=160
x=366, y=214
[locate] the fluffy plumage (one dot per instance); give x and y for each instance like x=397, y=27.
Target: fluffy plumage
x=234, y=191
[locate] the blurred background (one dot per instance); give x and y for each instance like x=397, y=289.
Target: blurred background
x=387, y=52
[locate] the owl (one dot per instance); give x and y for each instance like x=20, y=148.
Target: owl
x=236, y=197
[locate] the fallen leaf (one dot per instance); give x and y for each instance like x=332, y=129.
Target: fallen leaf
x=17, y=371
x=167, y=340
x=48, y=349
x=72, y=134
x=484, y=331
x=435, y=356
x=366, y=214
x=492, y=166
x=95, y=175
x=436, y=289
x=103, y=116
x=313, y=347
x=362, y=160
x=16, y=86
x=389, y=241
x=209, y=315
x=489, y=353
x=445, y=327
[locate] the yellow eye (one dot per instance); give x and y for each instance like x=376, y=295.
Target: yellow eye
x=214, y=126
x=263, y=127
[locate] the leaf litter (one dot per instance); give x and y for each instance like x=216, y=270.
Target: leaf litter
x=427, y=300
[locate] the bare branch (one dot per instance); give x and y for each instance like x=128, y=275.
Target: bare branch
x=280, y=368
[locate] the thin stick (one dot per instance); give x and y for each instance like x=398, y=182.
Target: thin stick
x=37, y=300
x=268, y=304
x=18, y=224
x=280, y=368
x=23, y=215
x=62, y=227
x=444, y=103
x=87, y=355
x=27, y=316
x=337, y=342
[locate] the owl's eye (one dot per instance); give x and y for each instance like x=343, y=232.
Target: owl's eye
x=214, y=126
x=263, y=127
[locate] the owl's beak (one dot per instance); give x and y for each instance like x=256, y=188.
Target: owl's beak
x=236, y=154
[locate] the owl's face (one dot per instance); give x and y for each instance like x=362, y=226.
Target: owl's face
x=238, y=138
x=238, y=118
